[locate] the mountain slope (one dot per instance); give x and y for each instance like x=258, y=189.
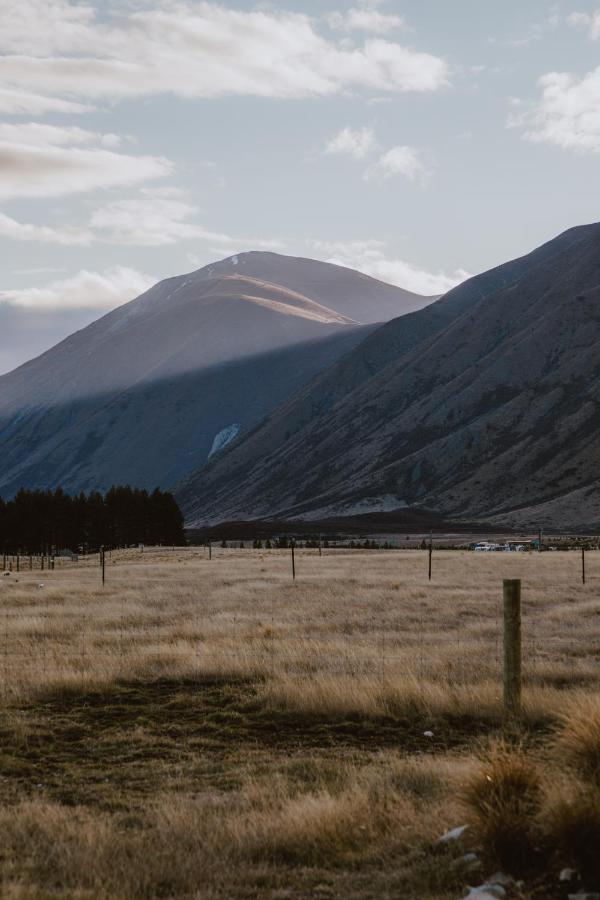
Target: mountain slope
x=486, y=404
x=142, y=394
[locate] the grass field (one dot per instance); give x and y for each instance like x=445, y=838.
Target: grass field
x=210, y=728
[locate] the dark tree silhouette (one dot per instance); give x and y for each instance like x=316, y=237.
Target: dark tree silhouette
x=50, y=521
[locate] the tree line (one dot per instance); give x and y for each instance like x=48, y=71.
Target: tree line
x=50, y=521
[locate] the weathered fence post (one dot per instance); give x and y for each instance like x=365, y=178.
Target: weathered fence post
x=320, y=545
x=210, y=549
x=293, y=564
x=583, y=564
x=102, y=563
x=512, y=645
x=430, y=553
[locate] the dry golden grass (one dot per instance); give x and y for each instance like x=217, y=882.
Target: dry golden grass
x=213, y=729
x=361, y=617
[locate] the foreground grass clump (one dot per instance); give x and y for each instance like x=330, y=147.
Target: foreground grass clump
x=531, y=815
x=577, y=741
x=572, y=827
x=504, y=800
x=572, y=814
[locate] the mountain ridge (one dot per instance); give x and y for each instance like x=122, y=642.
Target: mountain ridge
x=440, y=421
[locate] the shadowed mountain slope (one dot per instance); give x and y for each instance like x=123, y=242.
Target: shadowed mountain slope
x=146, y=392
x=485, y=404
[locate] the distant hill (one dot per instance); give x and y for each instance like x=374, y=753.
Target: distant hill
x=485, y=404
x=147, y=392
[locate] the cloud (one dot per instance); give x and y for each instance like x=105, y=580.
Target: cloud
x=15, y=102
x=591, y=21
x=365, y=18
x=371, y=258
x=68, y=236
x=201, y=49
x=355, y=142
x=44, y=26
x=567, y=113
x=155, y=217
x=85, y=290
x=58, y=136
x=401, y=160
x=49, y=161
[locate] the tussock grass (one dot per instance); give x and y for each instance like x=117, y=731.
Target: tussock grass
x=571, y=825
x=503, y=800
x=577, y=742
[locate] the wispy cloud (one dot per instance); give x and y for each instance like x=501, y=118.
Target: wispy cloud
x=589, y=21
x=50, y=161
x=372, y=257
x=365, y=17
x=18, y=102
x=85, y=290
x=68, y=236
x=154, y=217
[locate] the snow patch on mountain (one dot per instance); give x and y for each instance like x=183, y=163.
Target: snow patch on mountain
x=224, y=437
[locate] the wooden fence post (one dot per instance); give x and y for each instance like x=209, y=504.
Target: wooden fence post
x=293, y=564
x=210, y=549
x=583, y=564
x=430, y=553
x=512, y=646
x=102, y=563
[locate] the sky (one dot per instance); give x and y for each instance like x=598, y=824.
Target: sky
x=418, y=141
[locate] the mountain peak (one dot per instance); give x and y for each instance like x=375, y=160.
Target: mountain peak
x=140, y=395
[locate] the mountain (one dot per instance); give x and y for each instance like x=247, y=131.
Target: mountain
x=485, y=405
x=144, y=394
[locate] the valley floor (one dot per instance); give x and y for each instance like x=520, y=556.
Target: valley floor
x=214, y=729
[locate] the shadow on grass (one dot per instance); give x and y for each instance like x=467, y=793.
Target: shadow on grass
x=109, y=745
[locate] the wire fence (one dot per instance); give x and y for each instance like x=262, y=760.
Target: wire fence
x=337, y=625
